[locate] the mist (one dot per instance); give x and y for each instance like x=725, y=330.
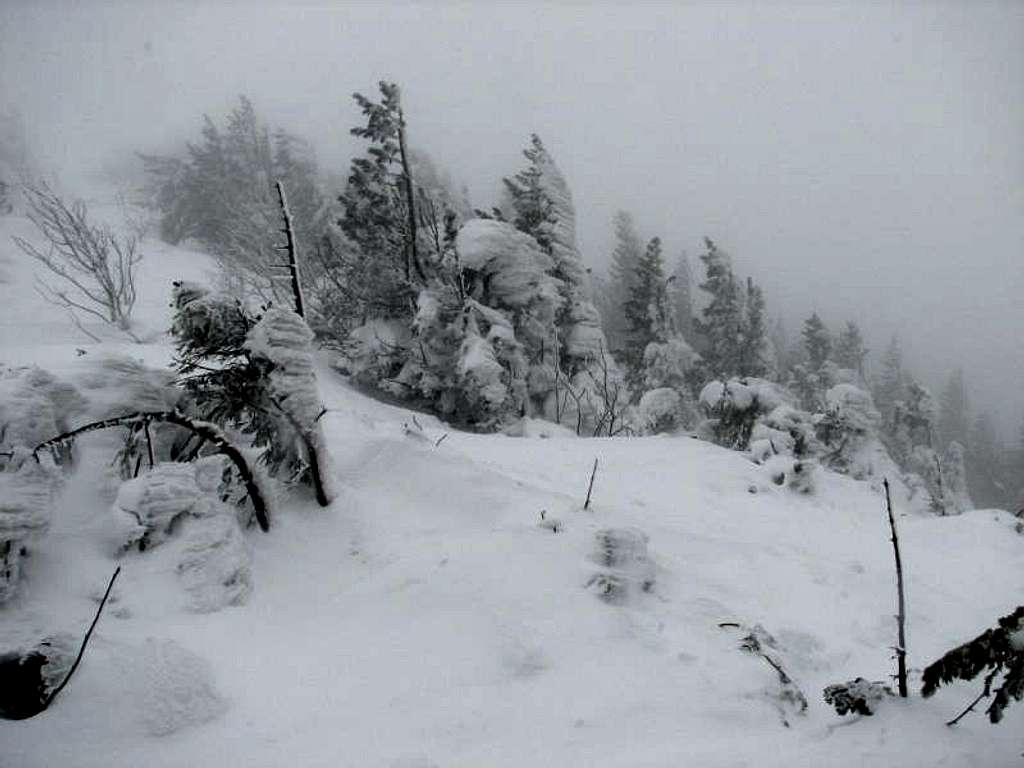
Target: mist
x=863, y=161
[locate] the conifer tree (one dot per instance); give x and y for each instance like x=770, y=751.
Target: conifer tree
x=817, y=342
x=531, y=205
x=377, y=217
x=850, y=350
x=754, y=355
x=889, y=387
x=646, y=308
x=626, y=255
x=721, y=322
x=681, y=291
x=542, y=205
x=954, y=422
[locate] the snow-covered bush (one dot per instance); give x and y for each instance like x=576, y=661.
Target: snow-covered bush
x=27, y=490
x=34, y=406
x=179, y=504
x=731, y=408
x=848, y=428
x=262, y=383
x=662, y=410
x=279, y=346
x=784, y=430
x=859, y=697
x=799, y=475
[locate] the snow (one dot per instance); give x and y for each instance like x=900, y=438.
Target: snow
x=426, y=619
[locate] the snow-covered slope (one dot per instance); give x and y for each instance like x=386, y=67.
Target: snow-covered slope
x=429, y=618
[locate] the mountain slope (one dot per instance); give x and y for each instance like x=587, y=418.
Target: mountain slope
x=427, y=618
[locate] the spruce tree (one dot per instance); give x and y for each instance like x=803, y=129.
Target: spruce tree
x=850, y=350
x=543, y=208
x=375, y=213
x=817, y=342
x=645, y=309
x=889, y=386
x=721, y=322
x=754, y=358
x=954, y=422
x=681, y=291
x=626, y=255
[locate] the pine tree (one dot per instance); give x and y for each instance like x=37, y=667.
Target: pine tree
x=543, y=208
x=954, y=422
x=626, y=256
x=721, y=322
x=376, y=213
x=754, y=352
x=817, y=341
x=850, y=350
x=681, y=291
x=986, y=465
x=530, y=203
x=645, y=308
x=889, y=387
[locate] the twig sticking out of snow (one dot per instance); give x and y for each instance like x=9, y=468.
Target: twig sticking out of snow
x=901, y=618
x=586, y=504
x=85, y=642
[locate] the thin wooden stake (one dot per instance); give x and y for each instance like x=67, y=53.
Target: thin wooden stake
x=901, y=617
x=586, y=504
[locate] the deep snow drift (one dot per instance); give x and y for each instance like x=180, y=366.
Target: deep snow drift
x=455, y=606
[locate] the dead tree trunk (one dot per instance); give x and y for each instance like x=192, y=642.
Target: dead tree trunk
x=293, y=251
x=412, y=255
x=901, y=617
x=208, y=432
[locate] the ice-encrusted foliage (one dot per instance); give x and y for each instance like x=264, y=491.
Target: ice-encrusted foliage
x=662, y=410
x=999, y=651
x=848, y=428
x=254, y=374
x=731, y=408
x=177, y=505
x=34, y=406
x=279, y=346
x=859, y=696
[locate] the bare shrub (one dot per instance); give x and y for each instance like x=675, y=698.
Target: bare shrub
x=95, y=269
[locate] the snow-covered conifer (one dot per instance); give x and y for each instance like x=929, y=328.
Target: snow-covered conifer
x=817, y=342
x=850, y=350
x=721, y=323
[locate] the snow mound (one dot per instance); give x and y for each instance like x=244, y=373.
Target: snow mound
x=214, y=564
x=172, y=688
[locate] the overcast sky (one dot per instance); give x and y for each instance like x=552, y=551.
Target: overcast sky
x=863, y=160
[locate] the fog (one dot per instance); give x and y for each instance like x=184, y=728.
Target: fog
x=864, y=161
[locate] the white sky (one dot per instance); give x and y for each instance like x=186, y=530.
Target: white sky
x=865, y=160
